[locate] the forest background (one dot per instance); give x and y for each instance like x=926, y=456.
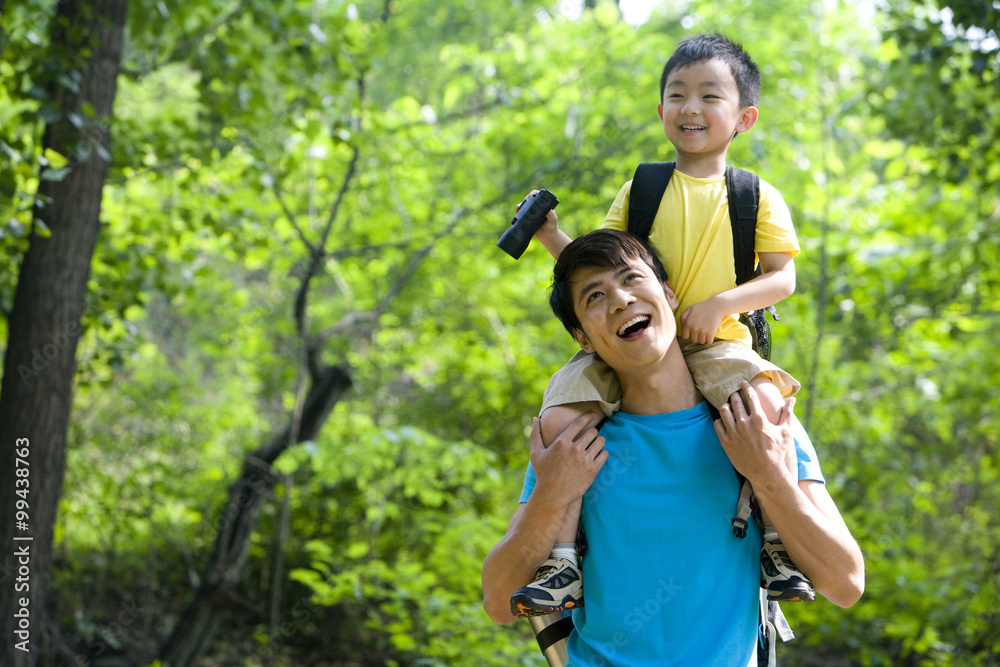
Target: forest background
x=267, y=380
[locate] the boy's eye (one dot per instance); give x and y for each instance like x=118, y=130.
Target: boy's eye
x=593, y=295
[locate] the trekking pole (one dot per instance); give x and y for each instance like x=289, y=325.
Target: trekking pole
x=552, y=634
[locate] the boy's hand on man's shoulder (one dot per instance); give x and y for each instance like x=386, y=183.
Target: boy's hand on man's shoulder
x=700, y=322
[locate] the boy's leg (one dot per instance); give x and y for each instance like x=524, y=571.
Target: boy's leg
x=783, y=581
x=558, y=584
x=554, y=421
x=771, y=403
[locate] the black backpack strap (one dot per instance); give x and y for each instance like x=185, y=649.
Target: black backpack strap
x=743, y=189
x=648, y=185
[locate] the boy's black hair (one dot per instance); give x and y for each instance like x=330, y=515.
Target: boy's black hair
x=702, y=47
x=600, y=249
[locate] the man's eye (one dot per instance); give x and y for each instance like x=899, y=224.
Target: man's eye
x=593, y=295
x=631, y=276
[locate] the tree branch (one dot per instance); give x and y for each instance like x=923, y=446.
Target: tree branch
x=351, y=168
x=397, y=285
x=291, y=219
x=188, y=45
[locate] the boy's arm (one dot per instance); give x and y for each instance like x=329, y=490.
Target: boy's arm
x=564, y=472
x=553, y=238
x=810, y=525
x=776, y=282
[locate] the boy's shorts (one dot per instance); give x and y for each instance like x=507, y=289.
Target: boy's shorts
x=717, y=369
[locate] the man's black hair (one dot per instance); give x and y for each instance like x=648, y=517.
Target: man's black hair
x=702, y=47
x=599, y=249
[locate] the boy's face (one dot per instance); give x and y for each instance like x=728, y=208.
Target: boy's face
x=701, y=109
x=626, y=314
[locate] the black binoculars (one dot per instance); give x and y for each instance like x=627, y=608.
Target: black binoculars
x=529, y=218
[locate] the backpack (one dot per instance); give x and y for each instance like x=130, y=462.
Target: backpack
x=743, y=187
x=743, y=191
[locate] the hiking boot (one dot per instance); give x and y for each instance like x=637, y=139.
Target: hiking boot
x=779, y=576
x=557, y=586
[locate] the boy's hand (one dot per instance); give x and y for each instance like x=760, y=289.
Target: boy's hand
x=550, y=227
x=549, y=234
x=700, y=322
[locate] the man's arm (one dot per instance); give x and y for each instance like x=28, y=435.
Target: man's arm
x=810, y=525
x=564, y=472
x=775, y=283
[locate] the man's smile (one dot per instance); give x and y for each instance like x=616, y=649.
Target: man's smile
x=634, y=326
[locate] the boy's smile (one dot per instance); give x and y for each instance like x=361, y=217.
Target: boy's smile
x=701, y=114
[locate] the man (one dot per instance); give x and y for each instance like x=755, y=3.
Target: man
x=667, y=581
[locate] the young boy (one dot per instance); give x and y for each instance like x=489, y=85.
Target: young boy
x=708, y=95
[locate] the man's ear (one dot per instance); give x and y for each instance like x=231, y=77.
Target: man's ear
x=747, y=119
x=583, y=340
x=671, y=297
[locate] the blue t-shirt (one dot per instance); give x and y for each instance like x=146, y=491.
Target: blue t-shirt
x=665, y=580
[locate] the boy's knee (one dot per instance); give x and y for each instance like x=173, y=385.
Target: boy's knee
x=771, y=400
x=557, y=418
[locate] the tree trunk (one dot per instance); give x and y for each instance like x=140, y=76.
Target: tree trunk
x=3, y=13
x=199, y=621
x=44, y=326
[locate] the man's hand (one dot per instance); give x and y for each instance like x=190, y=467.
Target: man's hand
x=803, y=513
x=566, y=468
x=756, y=447
x=700, y=322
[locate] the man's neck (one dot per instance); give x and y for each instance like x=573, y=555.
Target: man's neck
x=668, y=387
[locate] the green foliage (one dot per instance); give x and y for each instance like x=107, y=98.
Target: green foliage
x=942, y=85
x=404, y=537
x=22, y=159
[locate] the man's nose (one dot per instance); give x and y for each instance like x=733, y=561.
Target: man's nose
x=621, y=299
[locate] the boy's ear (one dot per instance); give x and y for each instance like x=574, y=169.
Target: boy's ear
x=748, y=118
x=583, y=340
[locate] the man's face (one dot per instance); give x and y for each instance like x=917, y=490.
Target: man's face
x=701, y=108
x=626, y=314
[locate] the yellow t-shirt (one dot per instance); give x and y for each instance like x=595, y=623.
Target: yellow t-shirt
x=694, y=239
